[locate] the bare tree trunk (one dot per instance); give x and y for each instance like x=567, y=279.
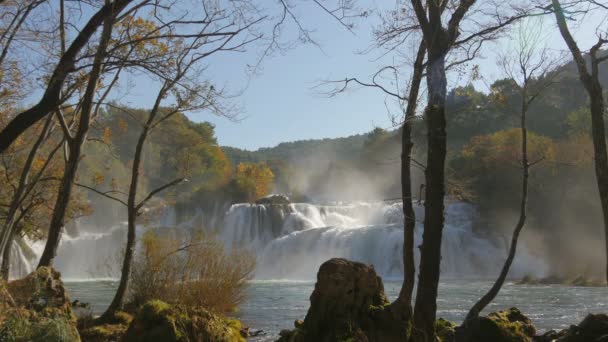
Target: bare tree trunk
x=6, y=261
x=493, y=292
x=132, y=211
x=75, y=148
x=20, y=193
x=600, y=156
x=63, y=197
x=409, y=269
x=439, y=40
x=590, y=81
x=430, y=252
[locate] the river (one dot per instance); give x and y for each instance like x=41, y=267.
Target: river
x=274, y=305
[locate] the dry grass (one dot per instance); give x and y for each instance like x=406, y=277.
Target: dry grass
x=199, y=272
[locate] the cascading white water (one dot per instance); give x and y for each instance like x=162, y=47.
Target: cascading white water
x=291, y=241
x=367, y=232
x=22, y=260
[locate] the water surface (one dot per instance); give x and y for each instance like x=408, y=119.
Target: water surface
x=274, y=305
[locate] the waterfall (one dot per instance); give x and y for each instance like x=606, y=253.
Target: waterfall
x=368, y=232
x=291, y=241
x=23, y=259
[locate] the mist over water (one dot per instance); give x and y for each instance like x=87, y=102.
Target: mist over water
x=291, y=241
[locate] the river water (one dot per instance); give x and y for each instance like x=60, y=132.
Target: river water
x=274, y=305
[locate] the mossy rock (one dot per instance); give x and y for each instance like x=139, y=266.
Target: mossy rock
x=122, y=317
x=111, y=331
x=41, y=309
x=159, y=321
x=103, y=333
x=502, y=326
x=40, y=290
x=445, y=330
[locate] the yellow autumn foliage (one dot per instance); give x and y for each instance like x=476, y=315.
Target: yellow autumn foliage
x=254, y=180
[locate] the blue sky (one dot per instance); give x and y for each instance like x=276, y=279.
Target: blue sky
x=279, y=103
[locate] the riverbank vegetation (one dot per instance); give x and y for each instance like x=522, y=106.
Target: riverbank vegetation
x=169, y=269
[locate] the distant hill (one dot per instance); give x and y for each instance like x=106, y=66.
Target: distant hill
x=337, y=149
x=549, y=117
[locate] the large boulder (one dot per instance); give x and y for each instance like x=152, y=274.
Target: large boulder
x=502, y=326
x=41, y=290
x=159, y=321
x=348, y=304
x=594, y=328
x=41, y=311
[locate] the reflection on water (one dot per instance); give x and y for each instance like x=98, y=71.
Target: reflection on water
x=274, y=305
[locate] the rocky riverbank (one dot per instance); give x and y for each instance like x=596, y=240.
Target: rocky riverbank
x=38, y=309
x=577, y=280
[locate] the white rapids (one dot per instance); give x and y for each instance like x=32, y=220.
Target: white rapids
x=291, y=241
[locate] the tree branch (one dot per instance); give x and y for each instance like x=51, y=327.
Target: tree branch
x=102, y=193
x=159, y=189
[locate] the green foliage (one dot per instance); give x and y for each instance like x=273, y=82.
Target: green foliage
x=175, y=148
x=374, y=147
x=347, y=148
x=579, y=121
x=490, y=165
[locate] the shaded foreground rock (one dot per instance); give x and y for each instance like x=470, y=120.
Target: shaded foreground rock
x=594, y=328
x=37, y=308
x=159, y=321
x=348, y=304
x=502, y=326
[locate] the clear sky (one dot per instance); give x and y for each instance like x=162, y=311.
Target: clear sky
x=279, y=104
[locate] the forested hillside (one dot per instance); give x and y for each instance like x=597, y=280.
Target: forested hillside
x=559, y=116
x=344, y=149
x=478, y=122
